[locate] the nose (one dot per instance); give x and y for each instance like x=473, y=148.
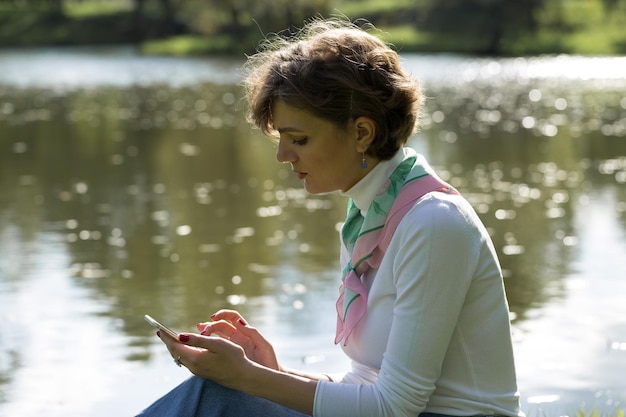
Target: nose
x=285, y=153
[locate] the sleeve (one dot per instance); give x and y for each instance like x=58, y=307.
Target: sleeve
x=435, y=250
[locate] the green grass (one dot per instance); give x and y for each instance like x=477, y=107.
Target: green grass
x=187, y=45
x=359, y=8
x=544, y=41
x=584, y=27
x=407, y=38
x=82, y=9
x=592, y=42
x=619, y=412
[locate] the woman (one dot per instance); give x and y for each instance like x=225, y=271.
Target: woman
x=422, y=311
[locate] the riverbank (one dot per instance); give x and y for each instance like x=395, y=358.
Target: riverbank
x=576, y=27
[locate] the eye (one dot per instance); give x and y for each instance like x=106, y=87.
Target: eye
x=300, y=141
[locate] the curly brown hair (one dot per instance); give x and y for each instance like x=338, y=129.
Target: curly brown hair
x=337, y=70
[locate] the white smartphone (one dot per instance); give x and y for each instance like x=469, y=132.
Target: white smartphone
x=161, y=327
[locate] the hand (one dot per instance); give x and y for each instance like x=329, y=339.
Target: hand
x=211, y=357
x=229, y=324
x=225, y=362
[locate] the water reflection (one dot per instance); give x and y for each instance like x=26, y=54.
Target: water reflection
x=158, y=198
x=66, y=69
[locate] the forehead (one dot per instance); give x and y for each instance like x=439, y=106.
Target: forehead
x=286, y=118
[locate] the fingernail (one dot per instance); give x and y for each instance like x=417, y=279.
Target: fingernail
x=183, y=338
x=159, y=333
x=242, y=322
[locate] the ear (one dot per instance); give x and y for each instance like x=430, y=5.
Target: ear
x=366, y=132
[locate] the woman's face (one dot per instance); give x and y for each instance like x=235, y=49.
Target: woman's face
x=325, y=157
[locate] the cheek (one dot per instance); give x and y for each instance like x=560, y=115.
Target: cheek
x=335, y=167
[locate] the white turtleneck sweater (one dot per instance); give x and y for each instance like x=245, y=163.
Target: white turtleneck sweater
x=436, y=335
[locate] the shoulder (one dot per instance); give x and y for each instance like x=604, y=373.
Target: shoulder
x=441, y=213
x=439, y=206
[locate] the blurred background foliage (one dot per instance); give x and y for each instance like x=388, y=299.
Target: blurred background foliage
x=185, y=27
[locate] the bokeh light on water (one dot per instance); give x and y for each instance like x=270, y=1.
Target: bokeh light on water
x=131, y=185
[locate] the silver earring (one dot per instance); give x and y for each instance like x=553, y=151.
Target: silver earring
x=363, y=161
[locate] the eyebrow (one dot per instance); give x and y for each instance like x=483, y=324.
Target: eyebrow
x=288, y=129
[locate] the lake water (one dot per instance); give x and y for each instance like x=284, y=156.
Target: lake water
x=131, y=185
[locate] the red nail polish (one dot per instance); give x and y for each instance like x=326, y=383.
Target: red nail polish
x=159, y=333
x=242, y=322
x=183, y=338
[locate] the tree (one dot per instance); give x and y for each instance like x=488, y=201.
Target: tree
x=164, y=12
x=491, y=20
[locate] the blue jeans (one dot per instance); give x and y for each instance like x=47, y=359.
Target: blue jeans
x=198, y=397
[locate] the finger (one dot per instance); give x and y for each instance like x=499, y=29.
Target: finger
x=248, y=331
x=177, y=360
x=168, y=340
x=202, y=326
x=248, y=337
x=184, y=351
x=229, y=315
x=175, y=348
x=221, y=328
x=213, y=344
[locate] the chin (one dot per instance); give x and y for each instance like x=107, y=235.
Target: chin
x=311, y=189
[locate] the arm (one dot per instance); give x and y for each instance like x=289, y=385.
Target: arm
x=417, y=296
x=307, y=375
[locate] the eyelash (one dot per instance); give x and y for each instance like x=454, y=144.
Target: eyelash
x=300, y=142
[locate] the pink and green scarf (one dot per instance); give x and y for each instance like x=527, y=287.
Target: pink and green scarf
x=367, y=238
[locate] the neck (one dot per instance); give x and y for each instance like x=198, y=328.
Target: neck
x=366, y=189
